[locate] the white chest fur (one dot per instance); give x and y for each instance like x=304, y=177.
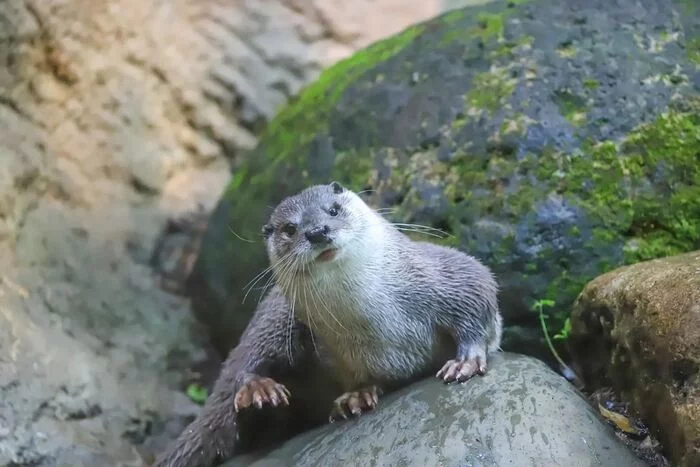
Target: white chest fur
x=369, y=335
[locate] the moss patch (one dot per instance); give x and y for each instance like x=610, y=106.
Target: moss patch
x=489, y=90
x=667, y=149
x=623, y=187
x=612, y=182
x=453, y=16
x=489, y=27
x=572, y=107
x=354, y=168
x=307, y=115
x=590, y=83
x=693, y=47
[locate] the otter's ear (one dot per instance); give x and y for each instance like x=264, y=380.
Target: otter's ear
x=267, y=231
x=337, y=188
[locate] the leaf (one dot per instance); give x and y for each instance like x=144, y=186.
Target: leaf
x=565, y=331
x=620, y=421
x=197, y=393
x=540, y=304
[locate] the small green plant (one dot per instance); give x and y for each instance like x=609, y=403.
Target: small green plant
x=563, y=334
x=197, y=393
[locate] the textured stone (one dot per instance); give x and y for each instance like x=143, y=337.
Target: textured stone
x=637, y=328
x=520, y=413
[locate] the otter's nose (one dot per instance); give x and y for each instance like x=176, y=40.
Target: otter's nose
x=318, y=234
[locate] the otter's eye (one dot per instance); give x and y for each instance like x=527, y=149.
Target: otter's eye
x=289, y=229
x=268, y=230
x=333, y=211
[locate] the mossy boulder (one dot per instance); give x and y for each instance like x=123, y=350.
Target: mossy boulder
x=637, y=329
x=555, y=140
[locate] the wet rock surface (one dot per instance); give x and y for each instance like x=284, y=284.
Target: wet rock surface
x=554, y=140
x=520, y=413
x=638, y=329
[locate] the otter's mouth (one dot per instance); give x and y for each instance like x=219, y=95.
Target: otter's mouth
x=326, y=255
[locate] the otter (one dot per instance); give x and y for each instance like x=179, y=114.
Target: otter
x=357, y=308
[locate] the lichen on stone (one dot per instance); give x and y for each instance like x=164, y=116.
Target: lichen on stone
x=489, y=90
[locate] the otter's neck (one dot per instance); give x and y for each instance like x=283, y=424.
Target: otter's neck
x=347, y=297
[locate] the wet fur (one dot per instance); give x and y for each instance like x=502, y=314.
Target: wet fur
x=388, y=311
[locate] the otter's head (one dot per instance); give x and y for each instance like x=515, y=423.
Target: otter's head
x=316, y=226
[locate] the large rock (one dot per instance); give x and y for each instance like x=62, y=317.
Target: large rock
x=638, y=329
x=554, y=139
x=116, y=116
x=520, y=413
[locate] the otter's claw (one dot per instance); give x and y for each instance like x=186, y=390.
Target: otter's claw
x=355, y=403
x=462, y=370
x=259, y=390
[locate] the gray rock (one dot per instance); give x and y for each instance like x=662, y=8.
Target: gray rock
x=520, y=414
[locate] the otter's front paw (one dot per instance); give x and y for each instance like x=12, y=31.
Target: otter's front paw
x=355, y=403
x=462, y=369
x=259, y=390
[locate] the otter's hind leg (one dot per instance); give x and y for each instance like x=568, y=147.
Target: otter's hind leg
x=354, y=403
x=474, y=343
x=471, y=360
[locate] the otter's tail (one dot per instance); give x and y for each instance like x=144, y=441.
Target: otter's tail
x=213, y=437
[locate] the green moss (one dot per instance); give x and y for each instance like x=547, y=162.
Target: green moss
x=611, y=182
x=571, y=107
x=591, y=83
x=458, y=122
x=665, y=150
x=354, y=167
x=490, y=26
x=453, y=16
x=508, y=49
x=489, y=90
x=307, y=115
x=622, y=186
x=693, y=48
